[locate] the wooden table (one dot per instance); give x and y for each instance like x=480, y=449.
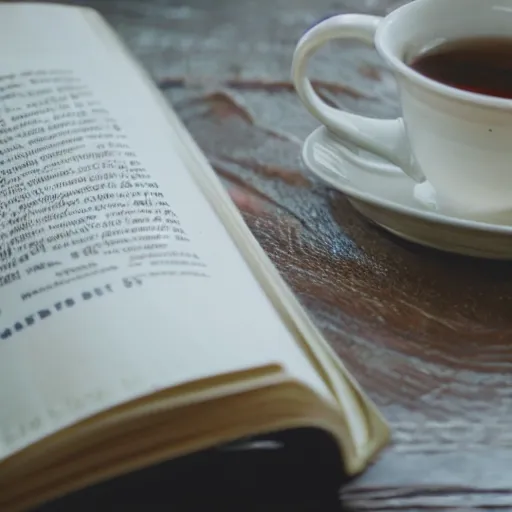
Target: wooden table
x=428, y=335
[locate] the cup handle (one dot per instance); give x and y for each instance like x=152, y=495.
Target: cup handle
x=383, y=137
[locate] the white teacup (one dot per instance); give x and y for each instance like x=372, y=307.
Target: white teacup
x=461, y=142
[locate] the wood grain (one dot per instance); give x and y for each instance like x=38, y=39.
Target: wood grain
x=427, y=334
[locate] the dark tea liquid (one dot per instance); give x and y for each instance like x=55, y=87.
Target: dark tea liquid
x=477, y=65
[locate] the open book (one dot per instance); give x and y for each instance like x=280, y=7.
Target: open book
x=140, y=321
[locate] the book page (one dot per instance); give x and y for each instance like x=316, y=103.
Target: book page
x=116, y=276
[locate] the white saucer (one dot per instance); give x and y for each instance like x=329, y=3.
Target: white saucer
x=389, y=198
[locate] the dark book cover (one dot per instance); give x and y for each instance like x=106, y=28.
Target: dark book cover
x=291, y=470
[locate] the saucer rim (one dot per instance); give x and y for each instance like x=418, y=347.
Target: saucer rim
x=391, y=205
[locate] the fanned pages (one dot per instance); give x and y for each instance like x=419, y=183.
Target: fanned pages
x=132, y=295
